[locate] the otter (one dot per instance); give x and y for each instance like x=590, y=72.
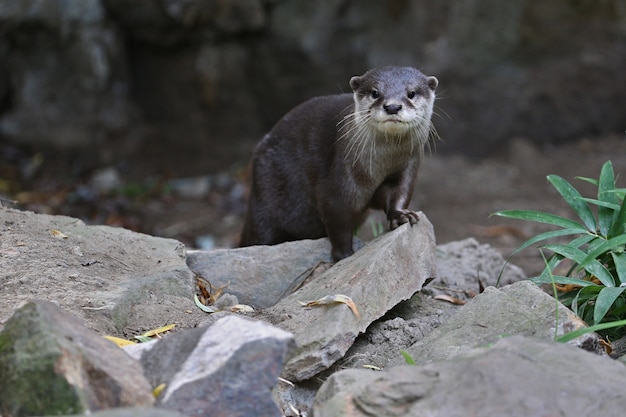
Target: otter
x=332, y=158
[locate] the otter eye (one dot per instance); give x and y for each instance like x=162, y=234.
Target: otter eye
x=411, y=95
x=375, y=94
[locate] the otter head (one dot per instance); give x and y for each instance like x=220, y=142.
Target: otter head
x=395, y=101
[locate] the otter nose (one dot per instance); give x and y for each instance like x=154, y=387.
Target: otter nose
x=392, y=108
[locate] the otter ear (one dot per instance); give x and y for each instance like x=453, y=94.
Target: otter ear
x=355, y=83
x=433, y=82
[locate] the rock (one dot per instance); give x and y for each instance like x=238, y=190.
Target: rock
x=261, y=275
x=133, y=412
x=227, y=369
x=412, y=320
x=464, y=265
x=517, y=309
x=118, y=281
x=460, y=265
x=386, y=271
x=51, y=364
x=516, y=377
x=105, y=180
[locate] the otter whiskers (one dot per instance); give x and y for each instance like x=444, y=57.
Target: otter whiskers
x=358, y=129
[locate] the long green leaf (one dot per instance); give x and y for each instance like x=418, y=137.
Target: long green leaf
x=589, y=180
x=619, y=259
x=583, y=240
x=593, y=266
x=550, y=235
x=575, y=201
x=584, y=296
x=600, y=203
x=605, y=185
x=608, y=245
x=602, y=326
x=540, y=217
x=561, y=280
x=619, y=221
x=541, y=237
x=605, y=301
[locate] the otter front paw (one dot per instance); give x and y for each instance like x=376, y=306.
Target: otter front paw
x=398, y=217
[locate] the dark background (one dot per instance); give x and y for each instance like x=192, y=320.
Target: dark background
x=135, y=113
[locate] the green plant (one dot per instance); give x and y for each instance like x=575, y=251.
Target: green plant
x=407, y=357
x=595, y=274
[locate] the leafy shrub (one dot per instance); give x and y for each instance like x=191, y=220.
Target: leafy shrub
x=595, y=279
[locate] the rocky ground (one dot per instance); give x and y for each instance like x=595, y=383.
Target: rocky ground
x=336, y=341
x=124, y=283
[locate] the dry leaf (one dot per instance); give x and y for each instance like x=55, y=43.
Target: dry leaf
x=286, y=381
x=241, y=308
x=119, y=341
x=58, y=234
x=450, y=299
x=608, y=348
x=208, y=294
x=155, y=332
x=331, y=299
x=158, y=390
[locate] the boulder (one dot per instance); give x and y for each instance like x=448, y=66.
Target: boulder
x=118, y=281
x=226, y=369
x=517, y=309
x=462, y=267
x=50, y=363
x=261, y=275
x=517, y=376
x=388, y=270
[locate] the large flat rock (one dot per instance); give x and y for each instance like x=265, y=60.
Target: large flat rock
x=107, y=276
x=386, y=271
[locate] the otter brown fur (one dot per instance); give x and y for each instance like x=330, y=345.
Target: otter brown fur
x=332, y=158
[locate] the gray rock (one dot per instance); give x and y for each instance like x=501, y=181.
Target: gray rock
x=461, y=267
x=117, y=280
x=464, y=265
x=227, y=369
x=517, y=309
x=386, y=271
x=133, y=412
x=516, y=377
x=51, y=364
x=261, y=275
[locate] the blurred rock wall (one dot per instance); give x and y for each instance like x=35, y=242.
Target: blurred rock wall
x=188, y=86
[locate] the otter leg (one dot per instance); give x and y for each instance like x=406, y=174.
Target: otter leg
x=341, y=243
x=339, y=226
x=393, y=197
